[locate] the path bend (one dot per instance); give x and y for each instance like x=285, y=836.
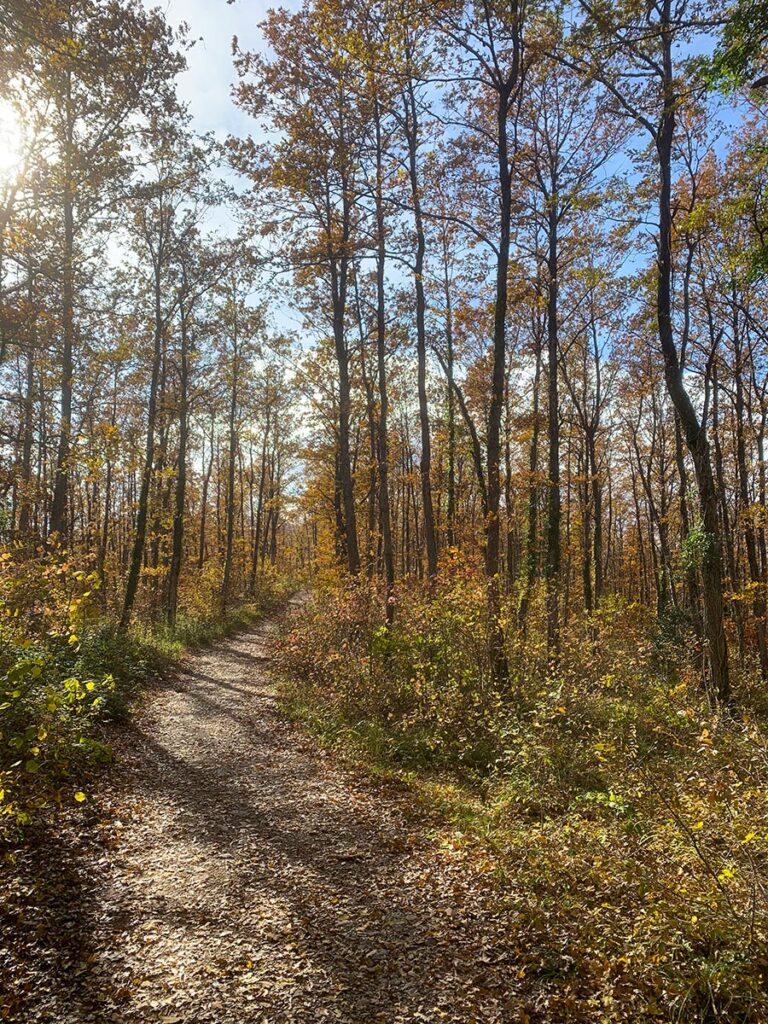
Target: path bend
x=243, y=878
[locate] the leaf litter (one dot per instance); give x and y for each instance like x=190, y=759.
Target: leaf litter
x=228, y=872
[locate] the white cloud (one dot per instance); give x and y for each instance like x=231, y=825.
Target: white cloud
x=207, y=83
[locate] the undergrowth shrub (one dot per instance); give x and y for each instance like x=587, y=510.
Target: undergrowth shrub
x=623, y=821
x=67, y=668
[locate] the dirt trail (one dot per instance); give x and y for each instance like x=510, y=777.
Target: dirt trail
x=247, y=880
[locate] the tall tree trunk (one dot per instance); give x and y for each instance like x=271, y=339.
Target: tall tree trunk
x=338, y=264
x=338, y=510
x=498, y=655
x=532, y=527
x=231, y=456
x=645, y=590
x=383, y=433
x=695, y=432
x=425, y=463
x=275, y=515
x=339, y=277
x=177, y=543
x=260, y=503
x=450, y=516
x=691, y=580
x=511, y=560
x=25, y=509
x=584, y=491
x=107, y=510
x=597, y=516
x=373, y=538
x=204, y=499
x=59, y=522
x=140, y=535
x=553, y=434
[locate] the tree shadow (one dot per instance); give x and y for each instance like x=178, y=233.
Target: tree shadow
x=46, y=923
x=222, y=774
x=340, y=874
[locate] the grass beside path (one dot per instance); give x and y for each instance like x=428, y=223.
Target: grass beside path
x=620, y=822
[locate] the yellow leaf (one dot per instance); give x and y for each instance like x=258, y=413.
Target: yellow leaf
x=79, y=796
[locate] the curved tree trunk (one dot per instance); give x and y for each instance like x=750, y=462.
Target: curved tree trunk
x=695, y=432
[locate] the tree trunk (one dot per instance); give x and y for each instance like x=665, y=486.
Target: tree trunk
x=137, y=555
x=498, y=656
x=260, y=504
x=553, y=433
x=597, y=516
x=25, y=509
x=177, y=543
x=695, y=432
x=58, y=522
x=450, y=525
x=231, y=456
x=532, y=528
x=383, y=435
x=338, y=263
x=204, y=500
x=425, y=463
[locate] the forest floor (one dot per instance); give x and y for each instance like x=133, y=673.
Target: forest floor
x=229, y=871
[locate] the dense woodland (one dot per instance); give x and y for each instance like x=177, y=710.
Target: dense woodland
x=468, y=339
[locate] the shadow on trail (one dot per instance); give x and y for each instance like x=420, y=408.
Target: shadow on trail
x=245, y=848
x=375, y=949
x=47, y=922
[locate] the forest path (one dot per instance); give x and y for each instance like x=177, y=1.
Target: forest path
x=249, y=880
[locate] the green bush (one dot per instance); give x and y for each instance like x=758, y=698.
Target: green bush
x=66, y=671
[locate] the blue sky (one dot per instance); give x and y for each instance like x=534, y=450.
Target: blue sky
x=207, y=83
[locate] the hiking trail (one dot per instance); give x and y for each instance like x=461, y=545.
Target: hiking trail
x=241, y=877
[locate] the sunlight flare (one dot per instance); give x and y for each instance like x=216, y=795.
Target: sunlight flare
x=11, y=142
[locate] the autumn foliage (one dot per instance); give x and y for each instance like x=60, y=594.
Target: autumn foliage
x=620, y=821
x=481, y=362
